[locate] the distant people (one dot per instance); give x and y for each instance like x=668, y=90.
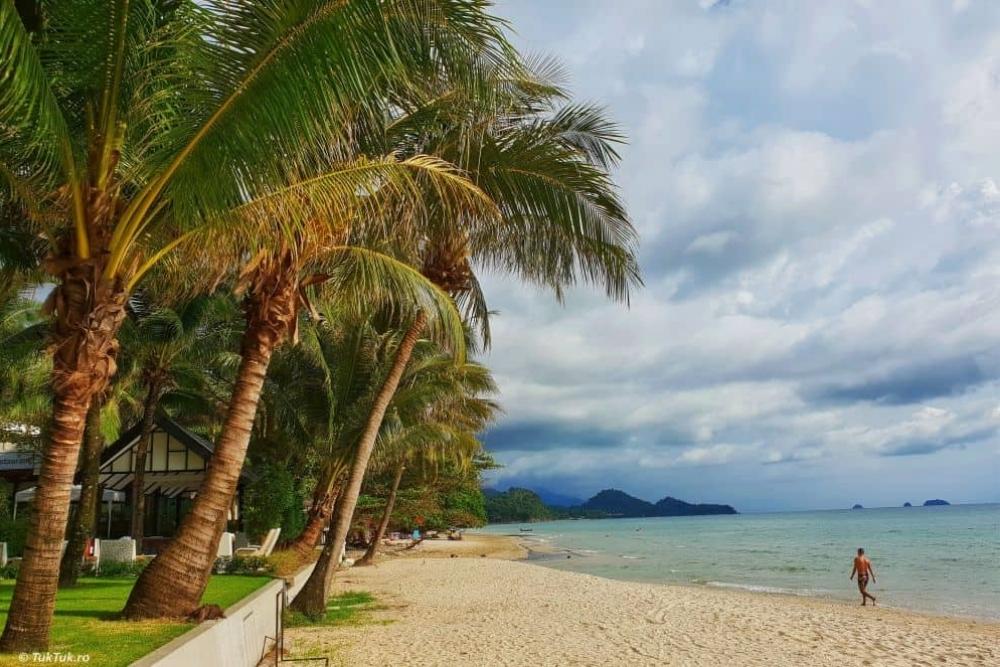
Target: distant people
x=416, y=534
x=863, y=568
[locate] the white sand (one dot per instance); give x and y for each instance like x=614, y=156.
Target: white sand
x=485, y=611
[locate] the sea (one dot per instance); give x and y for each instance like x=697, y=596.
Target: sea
x=940, y=560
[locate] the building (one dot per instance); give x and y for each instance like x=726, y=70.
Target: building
x=176, y=464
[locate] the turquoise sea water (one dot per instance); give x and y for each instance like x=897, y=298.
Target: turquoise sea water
x=943, y=560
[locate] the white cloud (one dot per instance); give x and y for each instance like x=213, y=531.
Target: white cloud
x=816, y=187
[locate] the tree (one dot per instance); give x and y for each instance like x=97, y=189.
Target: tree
x=320, y=255
x=167, y=345
x=332, y=372
x=560, y=220
x=428, y=428
x=128, y=125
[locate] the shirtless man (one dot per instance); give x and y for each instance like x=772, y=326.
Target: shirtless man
x=863, y=568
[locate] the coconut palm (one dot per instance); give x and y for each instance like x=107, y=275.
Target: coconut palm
x=128, y=124
x=167, y=346
x=341, y=357
x=425, y=429
x=26, y=405
x=546, y=168
x=430, y=385
x=320, y=253
x=104, y=420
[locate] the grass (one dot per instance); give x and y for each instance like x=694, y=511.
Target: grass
x=86, y=618
x=350, y=608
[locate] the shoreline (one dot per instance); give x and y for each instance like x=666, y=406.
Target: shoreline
x=540, y=551
x=437, y=607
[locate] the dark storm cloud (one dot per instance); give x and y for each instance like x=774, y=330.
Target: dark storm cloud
x=911, y=384
x=929, y=446
x=541, y=435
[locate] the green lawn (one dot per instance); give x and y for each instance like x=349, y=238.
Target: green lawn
x=85, y=618
x=349, y=608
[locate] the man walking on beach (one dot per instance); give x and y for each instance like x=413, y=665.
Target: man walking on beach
x=863, y=568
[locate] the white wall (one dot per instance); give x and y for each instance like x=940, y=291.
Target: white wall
x=238, y=640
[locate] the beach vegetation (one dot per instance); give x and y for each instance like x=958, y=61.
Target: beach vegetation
x=271, y=220
x=516, y=505
x=348, y=608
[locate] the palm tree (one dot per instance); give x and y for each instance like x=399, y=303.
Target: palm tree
x=327, y=254
x=433, y=388
x=426, y=428
x=546, y=168
x=166, y=346
x=129, y=124
x=332, y=373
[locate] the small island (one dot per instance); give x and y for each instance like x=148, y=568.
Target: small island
x=907, y=504
x=936, y=502
x=858, y=507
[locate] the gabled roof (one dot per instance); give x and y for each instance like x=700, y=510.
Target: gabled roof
x=192, y=441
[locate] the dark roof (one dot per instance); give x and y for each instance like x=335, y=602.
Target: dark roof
x=192, y=441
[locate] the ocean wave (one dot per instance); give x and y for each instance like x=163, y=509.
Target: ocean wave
x=755, y=588
x=626, y=556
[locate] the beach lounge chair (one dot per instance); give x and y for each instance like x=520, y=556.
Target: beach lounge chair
x=226, y=543
x=264, y=549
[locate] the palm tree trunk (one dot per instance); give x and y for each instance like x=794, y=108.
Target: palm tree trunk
x=324, y=496
x=89, y=312
x=173, y=583
x=82, y=527
x=312, y=599
x=369, y=556
x=139, y=474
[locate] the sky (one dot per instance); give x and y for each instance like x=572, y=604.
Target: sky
x=817, y=190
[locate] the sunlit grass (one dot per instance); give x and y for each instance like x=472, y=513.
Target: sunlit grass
x=86, y=619
x=350, y=608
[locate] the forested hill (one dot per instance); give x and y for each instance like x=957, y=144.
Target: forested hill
x=518, y=505
x=615, y=503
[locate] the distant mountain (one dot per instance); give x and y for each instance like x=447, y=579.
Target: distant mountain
x=549, y=497
x=618, y=503
x=907, y=504
x=517, y=505
x=556, y=499
x=672, y=507
x=935, y=502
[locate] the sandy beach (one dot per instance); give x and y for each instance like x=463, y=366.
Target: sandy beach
x=480, y=608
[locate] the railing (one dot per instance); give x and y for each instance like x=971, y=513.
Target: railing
x=280, y=604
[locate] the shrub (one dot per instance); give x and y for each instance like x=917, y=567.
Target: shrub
x=14, y=532
x=243, y=565
x=117, y=569
x=9, y=571
x=273, y=500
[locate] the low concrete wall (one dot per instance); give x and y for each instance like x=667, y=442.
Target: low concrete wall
x=238, y=640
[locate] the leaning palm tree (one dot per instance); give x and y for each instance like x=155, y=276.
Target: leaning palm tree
x=545, y=165
x=166, y=345
x=426, y=428
x=340, y=358
x=321, y=253
x=431, y=384
x=121, y=118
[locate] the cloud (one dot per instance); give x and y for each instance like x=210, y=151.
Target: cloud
x=912, y=384
x=816, y=189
